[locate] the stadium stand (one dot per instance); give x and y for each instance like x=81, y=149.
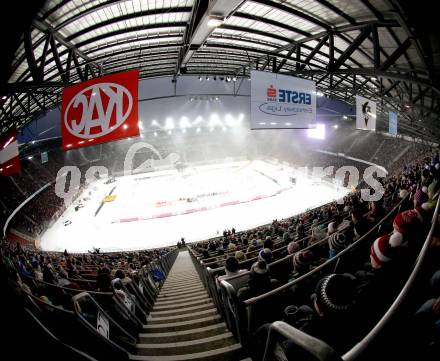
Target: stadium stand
x=350, y=280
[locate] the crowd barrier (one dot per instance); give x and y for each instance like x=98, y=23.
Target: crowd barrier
x=240, y=316
x=365, y=349
x=118, y=315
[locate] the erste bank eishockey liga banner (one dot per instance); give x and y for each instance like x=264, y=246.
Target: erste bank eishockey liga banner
x=281, y=101
x=100, y=110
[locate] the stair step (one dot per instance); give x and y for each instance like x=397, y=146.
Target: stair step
x=183, y=280
x=181, y=292
x=183, y=277
x=180, y=311
x=171, y=306
x=194, y=315
x=177, y=297
x=180, y=288
x=176, y=301
x=186, y=347
x=182, y=283
x=182, y=325
x=186, y=335
x=230, y=353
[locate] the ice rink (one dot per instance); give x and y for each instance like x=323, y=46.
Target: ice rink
x=158, y=208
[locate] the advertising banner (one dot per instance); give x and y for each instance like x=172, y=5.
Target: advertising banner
x=9, y=156
x=281, y=101
x=100, y=110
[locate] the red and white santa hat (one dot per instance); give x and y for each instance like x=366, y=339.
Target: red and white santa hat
x=381, y=251
x=405, y=222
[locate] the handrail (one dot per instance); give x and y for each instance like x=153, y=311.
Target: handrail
x=77, y=312
x=55, y=338
x=359, y=348
x=315, y=347
x=326, y=263
x=67, y=288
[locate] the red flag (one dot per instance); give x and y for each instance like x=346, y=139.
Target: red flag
x=100, y=110
x=9, y=157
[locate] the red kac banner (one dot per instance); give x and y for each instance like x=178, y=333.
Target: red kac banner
x=100, y=110
x=9, y=157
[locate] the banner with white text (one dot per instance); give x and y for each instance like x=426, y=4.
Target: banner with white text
x=100, y=110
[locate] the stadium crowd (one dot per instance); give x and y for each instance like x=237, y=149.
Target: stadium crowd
x=349, y=299
x=49, y=276
x=307, y=240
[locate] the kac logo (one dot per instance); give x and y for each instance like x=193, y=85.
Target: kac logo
x=98, y=110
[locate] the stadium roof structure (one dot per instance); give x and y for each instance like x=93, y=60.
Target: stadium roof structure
x=374, y=48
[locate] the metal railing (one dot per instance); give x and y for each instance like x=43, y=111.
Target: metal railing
x=321, y=351
x=396, y=306
x=245, y=319
x=313, y=348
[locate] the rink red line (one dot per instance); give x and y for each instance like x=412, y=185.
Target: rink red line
x=133, y=219
x=232, y=203
x=164, y=215
x=200, y=209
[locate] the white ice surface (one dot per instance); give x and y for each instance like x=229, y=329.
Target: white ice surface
x=137, y=197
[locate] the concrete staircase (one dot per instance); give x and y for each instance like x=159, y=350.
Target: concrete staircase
x=184, y=324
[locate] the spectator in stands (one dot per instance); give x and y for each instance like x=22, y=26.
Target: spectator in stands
x=103, y=282
x=376, y=212
x=406, y=226
x=205, y=254
x=406, y=203
x=23, y=286
x=360, y=223
x=259, y=282
x=302, y=262
x=318, y=231
x=335, y=225
x=250, y=249
x=232, y=247
x=240, y=256
x=268, y=243
x=420, y=197
x=293, y=247
x=121, y=275
x=232, y=268
x=266, y=255
x=433, y=192
x=382, y=276
x=336, y=243
x=330, y=319
x=37, y=273
x=300, y=231
x=41, y=293
x=288, y=235
x=427, y=178
x=48, y=275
